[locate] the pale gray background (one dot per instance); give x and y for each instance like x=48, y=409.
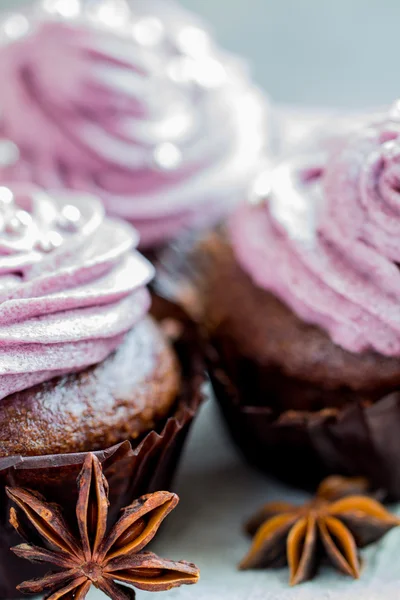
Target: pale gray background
x=331, y=52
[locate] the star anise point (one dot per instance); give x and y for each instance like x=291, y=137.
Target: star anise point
x=340, y=520
x=109, y=561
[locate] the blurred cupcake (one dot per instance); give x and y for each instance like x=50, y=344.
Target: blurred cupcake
x=133, y=102
x=83, y=365
x=317, y=129
x=300, y=298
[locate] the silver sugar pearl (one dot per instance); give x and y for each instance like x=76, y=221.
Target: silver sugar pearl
x=180, y=69
x=15, y=27
x=69, y=218
x=148, y=31
x=13, y=226
x=51, y=241
x=23, y=217
x=210, y=73
x=69, y=9
x=109, y=13
x=391, y=148
x=18, y=222
x=6, y=196
x=9, y=153
x=167, y=156
x=193, y=41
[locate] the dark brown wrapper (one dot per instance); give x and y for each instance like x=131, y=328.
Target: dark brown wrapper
x=357, y=439
x=303, y=448
x=131, y=470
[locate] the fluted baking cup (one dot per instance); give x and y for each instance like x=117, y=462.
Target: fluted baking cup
x=360, y=439
x=131, y=469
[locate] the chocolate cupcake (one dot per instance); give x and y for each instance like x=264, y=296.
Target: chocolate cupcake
x=299, y=296
x=84, y=367
x=133, y=102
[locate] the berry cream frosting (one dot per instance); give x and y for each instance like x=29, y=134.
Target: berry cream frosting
x=326, y=241
x=71, y=285
x=132, y=102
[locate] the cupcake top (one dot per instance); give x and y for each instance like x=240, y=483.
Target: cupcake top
x=326, y=241
x=71, y=285
x=132, y=102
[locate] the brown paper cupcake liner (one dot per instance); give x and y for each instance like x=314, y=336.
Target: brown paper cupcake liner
x=132, y=469
x=360, y=439
x=353, y=438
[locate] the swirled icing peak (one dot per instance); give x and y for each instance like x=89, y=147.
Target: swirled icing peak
x=327, y=241
x=71, y=285
x=132, y=102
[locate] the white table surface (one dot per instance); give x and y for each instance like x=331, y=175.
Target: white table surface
x=218, y=492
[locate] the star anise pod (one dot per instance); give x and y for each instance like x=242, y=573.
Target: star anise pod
x=338, y=521
x=96, y=557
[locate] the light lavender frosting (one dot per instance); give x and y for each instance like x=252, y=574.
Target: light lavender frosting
x=134, y=103
x=71, y=285
x=327, y=241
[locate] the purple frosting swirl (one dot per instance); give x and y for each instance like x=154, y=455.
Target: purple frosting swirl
x=327, y=242
x=71, y=285
x=134, y=103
